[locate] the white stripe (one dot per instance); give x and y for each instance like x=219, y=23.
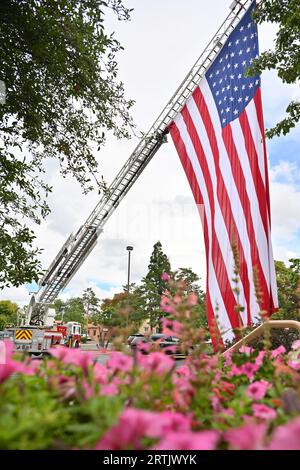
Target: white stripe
x=220, y=226
x=273, y=281
x=259, y=231
x=257, y=137
x=214, y=290
x=236, y=206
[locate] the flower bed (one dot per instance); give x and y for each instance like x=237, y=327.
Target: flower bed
x=246, y=401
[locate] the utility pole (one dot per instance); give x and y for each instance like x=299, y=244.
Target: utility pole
x=129, y=249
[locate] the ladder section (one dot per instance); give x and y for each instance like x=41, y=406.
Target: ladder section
x=77, y=247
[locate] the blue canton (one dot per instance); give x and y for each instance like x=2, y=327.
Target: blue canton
x=231, y=90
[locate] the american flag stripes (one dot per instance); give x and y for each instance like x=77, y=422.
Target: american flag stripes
x=219, y=136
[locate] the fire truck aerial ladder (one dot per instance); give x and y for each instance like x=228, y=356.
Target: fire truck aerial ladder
x=77, y=247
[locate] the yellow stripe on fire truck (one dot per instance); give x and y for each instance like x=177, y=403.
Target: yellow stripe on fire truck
x=23, y=334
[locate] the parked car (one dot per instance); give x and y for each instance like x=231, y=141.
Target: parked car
x=171, y=345
x=157, y=337
x=138, y=342
x=136, y=335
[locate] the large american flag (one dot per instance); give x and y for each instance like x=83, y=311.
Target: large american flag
x=219, y=136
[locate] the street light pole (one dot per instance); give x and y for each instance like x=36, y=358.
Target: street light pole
x=129, y=249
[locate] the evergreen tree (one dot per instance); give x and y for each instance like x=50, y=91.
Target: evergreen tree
x=90, y=302
x=152, y=284
x=190, y=278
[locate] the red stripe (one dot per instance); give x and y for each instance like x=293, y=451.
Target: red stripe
x=223, y=197
x=241, y=187
x=260, y=118
x=217, y=257
x=255, y=171
x=186, y=163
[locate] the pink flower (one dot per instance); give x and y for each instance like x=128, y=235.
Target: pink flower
x=294, y=365
x=277, y=352
x=109, y=389
x=247, y=437
x=248, y=369
x=296, y=344
x=171, y=326
x=286, y=437
x=60, y=352
x=127, y=433
x=100, y=374
x=76, y=357
x=166, y=422
x=258, y=389
x=228, y=358
x=119, y=362
x=192, y=299
x=263, y=411
x=134, y=424
x=260, y=358
x=247, y=350
x=166, y=306
x=157, y=362
x=10, y=366
x=205, y=440
x=165, y=277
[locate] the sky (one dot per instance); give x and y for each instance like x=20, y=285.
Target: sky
x=161, y=43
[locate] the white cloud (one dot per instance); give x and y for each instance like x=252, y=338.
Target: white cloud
x=285, y=204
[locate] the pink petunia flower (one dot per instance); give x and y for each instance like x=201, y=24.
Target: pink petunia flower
x=127, y=433
x=110, y=389
x=258, y=389
x=100, y=373
x=166, y=306
x=278, y=351
x=247, y=350
x=260, y=358
x=204, y=440
x=247, y=437
x=119, y=362
x=263, y=412
x=134, y=424
x=76, y=357
x=249, y=369
x=286, y=437
x=165, y=277
x=10, y=366
x=171, y=326
x=296, y=344
x=157, y=362
x=192, y=299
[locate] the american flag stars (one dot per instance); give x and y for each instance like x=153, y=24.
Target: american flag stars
x=226, y=76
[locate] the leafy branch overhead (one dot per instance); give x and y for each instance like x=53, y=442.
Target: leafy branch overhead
x=285, y=58
x=62, y=96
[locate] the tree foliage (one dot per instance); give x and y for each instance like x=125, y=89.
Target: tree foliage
x=71, y=310
x=285, y=58
x=8, y=313
x=153, y=285
x=288, y=283
x=62, y=95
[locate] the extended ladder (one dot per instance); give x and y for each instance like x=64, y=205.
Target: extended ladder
x=78, y=246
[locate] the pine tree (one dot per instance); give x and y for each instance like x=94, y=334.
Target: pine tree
x=90, y=302
x=152, y=284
